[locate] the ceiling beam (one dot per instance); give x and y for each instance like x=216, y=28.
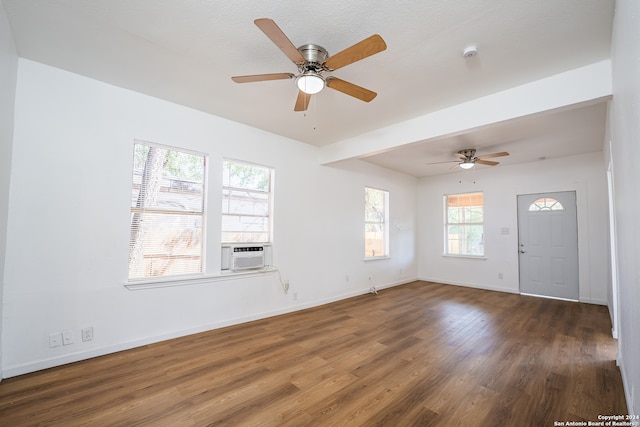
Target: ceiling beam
x=584, y=85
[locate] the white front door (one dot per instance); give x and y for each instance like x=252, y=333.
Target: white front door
x=548, y=245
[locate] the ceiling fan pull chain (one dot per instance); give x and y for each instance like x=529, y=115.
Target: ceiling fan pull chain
x=315, y=111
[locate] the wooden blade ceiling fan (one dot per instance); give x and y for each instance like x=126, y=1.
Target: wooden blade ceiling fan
x=467, y=158
x=313, y=61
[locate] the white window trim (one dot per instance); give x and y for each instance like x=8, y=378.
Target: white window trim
x=173, y=281
x=204, y=215
x=445, y=238
x=386, y=254
x=475, y=257
x=376, y=258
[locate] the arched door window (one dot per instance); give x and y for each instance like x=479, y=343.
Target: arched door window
x=546, y=204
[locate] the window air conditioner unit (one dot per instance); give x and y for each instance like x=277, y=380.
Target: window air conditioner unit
x=245, y=257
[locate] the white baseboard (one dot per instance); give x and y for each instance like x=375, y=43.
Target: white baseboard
x=593, y=301
x=471, y=285
x=625, y=385
x=501, y=289
x=15, y=370
x=627, y=391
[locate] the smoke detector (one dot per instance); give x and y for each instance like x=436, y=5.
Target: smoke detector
x=470, y=51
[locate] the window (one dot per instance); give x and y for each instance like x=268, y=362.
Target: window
x=167, y=212
x=546, y=204
x=246, y=202
x=376, y=220
x=464, y=224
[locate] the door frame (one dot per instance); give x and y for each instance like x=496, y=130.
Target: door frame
x=613, y=253
x=577, y=247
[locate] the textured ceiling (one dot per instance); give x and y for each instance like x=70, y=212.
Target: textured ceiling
x=186, y=51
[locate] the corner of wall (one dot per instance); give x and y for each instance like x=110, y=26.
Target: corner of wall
x=8, y=81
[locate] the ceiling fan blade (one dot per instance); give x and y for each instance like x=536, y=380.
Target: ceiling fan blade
x=302, y=103
x=269, y=27
x=460, y=155
x=439, y=163
x=486, y=162
x=350, y=89
x=489, y=156
x=358, y=51
x=262, y=77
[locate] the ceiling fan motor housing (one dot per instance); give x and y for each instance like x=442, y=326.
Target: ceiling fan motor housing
x=468, y=154
x=314, y=57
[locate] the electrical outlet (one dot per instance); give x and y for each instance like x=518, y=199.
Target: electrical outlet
x=67, y=338
x=55, y=340
x=87, y=334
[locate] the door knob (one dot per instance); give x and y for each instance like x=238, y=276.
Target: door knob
x=522, y=251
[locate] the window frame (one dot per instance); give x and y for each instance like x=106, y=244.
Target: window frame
x=202, y=214
x=270, y=199
x=464, y=225
x=384, y=222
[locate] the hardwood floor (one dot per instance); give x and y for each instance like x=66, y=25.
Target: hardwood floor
x=421, y=354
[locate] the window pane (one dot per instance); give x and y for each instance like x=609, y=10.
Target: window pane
x=239, y=228
x=168, y=180
x=245, y=175
x=245, y=237
x=465, y=239
x=376, y=215
x=374, y=240
x=464, y=229
x=454, y=215
x=473, y=214
x=165, y=245
x=474, y=240
x=374, y=205
x=167, y=212
x=246, y=203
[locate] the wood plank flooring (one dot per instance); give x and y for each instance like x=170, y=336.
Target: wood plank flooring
x=421, y=354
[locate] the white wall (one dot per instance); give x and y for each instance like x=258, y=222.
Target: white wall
x=69, y=218
x=501, y=185
x=625, y=147
x=8, y=76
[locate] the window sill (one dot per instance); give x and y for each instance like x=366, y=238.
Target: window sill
x=476, y=257
x=194, y=280
x=377, y=258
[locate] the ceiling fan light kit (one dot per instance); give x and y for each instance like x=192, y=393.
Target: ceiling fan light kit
x=313, y=60
x=310, y=82
x=466, y=165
